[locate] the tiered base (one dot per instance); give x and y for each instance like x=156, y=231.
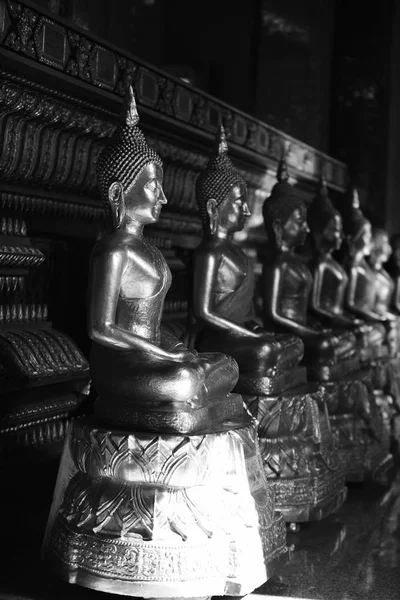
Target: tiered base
x=385, y=373
x=299, y=453
x=360, y=420
x=163, y=515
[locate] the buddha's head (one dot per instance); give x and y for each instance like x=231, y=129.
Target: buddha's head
x=285, y=215
x=221, y=193
x=130, y=174
x=381, y=249
x=325, y=221
x=357, y=228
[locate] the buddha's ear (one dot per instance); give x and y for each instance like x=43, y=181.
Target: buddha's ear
x=117, y=203
x=278, y=230
x=212, y=211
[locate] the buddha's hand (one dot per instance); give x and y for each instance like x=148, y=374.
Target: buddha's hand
x=254, y=326
x=183, y=356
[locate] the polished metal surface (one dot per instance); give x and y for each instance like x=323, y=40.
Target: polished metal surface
x=144, y=378
x=147, y=515
x=287, y=282
x=352, y=555
x=224, y=279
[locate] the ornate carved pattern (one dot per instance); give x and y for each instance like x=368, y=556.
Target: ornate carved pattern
x=27, y=32
x=33, y=434
x=20, y=256
x=78, y=137
x=37, y=353
x=159, y=508
x=299, y=452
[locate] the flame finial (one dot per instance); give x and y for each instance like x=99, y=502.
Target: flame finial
x=222, y=144
x=322, y=187
x=282, y=173
x=132, y=115
x=355, y=198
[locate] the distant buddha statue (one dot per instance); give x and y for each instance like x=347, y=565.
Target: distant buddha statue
x=274, y=386
x=355, y=406
x=381, y=251
x=287, y=281
x=384, y=285
x=330, y=279
x=360, y=297
x=224, y=279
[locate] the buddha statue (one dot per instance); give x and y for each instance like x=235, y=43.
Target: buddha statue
x=130, y=350
x=224, y=280
x=288, y=283
x=161, y=493
x=360, y=295
x=329, y=277
x=299, y=462
x=381, y=251
x=385, y=304
x=360, y=300
x=352, y=412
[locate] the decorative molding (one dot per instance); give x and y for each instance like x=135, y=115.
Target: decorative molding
x=49, y=41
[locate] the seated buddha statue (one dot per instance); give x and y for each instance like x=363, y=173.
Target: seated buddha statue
x=293, y=459
x=360, y=295
x=156, y=498
x=224, y=280
x=135, y=365
x=381, y=251
x=287, y=280
x=329, y=277
x=355, y=407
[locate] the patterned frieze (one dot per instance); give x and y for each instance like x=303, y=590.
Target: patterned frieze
x=48, y=41
x=53, y=143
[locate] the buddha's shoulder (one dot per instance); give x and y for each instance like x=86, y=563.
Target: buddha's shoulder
x=117, y=244
x=281, y=263
x=212, y=248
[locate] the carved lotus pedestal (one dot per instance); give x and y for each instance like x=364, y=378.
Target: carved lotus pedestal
x=360, y=420
x=159, y=515
x=298, y=450
x=385, y=378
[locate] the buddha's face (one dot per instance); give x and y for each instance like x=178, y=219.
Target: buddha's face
x=332, y=235
x=363, y=241
x=381, y=248
x=231, y=215
x=295, y=230
x=144, y=201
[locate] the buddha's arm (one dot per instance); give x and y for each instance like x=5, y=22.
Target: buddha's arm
x=315, y=301
x=315, y=298
x=105, y=276
x=351, y=299
x=271, y=293
x=204, y=283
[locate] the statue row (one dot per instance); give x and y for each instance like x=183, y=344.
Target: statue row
x=175, y=487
